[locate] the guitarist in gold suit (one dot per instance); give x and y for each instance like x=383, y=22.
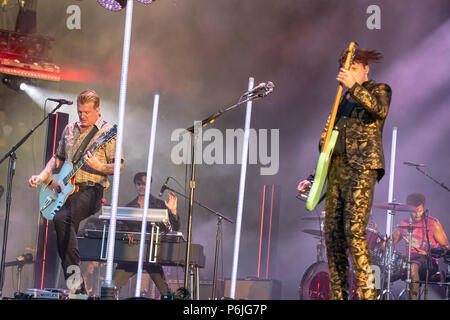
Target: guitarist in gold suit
x=357, y=163
x=91, y=179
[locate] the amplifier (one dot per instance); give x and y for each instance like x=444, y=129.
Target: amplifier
x=255, y=289
x=206, y=289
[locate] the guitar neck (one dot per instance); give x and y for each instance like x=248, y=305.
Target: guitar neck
x=347, y=65
x=333, y=117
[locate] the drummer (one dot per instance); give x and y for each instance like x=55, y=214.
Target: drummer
x=420, y=243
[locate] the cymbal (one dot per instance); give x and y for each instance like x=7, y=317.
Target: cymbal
x=395, y=206
x=313, y=232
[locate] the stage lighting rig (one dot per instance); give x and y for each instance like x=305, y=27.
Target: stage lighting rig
x=25, y=53
x=27, y=56
x=117, y=5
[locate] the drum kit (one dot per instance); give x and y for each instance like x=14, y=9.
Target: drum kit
x=393, y=265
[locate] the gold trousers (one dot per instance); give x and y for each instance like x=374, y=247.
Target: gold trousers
x=347, y=211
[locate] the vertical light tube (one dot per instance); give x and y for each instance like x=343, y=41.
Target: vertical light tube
x=391, y=181
x=237, y=237
x=147, y=194
x=390, y=214
x=118, y=153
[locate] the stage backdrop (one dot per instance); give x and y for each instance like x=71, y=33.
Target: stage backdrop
x=199, y=54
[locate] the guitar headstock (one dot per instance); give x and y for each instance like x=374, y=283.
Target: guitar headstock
x=350, y=55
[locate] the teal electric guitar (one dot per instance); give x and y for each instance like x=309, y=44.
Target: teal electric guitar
x=61, y=186
x=328, y=146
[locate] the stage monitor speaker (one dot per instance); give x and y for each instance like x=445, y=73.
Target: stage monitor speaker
x=206, y=290
x=204, y=294
x=205, y=287
x=255, y=289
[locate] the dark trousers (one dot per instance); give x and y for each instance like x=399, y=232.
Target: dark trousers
x=124, y=271
x=348, y=204
x=86, y=202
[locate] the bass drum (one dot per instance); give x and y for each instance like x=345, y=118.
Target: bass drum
x=315, y=283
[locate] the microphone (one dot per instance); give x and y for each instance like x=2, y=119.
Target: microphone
x=262, y=89
x=164, y=187
x=411, y=164
x=61, y=101
x=269, y=88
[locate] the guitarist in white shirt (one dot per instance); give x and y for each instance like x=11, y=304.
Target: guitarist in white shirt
x=357, y=163
x=91, y=180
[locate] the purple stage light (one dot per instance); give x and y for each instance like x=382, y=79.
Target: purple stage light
x=113, y=5
x=117, y=5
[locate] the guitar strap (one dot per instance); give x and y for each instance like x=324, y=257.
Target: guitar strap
x=83, y=145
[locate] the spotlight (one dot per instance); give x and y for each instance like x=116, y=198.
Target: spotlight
x=14, y=82
x=117, y=5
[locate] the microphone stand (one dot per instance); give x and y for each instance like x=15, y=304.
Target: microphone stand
x=194, y=130
x=220, y=217
x=11, y=154
x=434, y=180
x=20, y=262
x=428, y=254
x=426, y=227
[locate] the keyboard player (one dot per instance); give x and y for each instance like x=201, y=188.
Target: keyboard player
x=125, y=270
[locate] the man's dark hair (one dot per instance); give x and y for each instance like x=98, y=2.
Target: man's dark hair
x=415, y=199
x=362, y=55
x=138, y=177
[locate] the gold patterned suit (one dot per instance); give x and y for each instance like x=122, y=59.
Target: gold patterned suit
x=351, y=180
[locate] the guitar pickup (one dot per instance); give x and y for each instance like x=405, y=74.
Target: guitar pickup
x=47, y=202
